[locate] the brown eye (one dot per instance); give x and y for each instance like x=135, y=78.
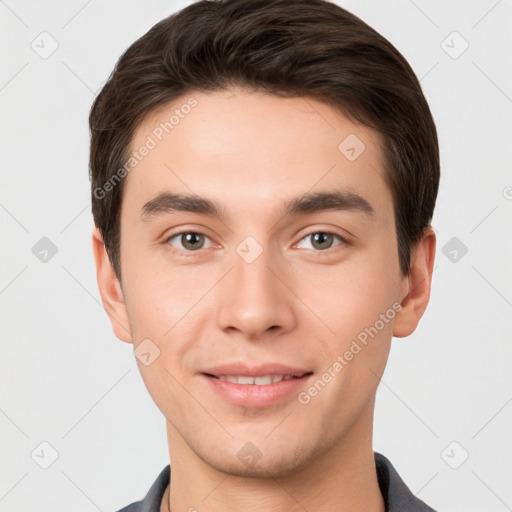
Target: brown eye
x=322, y=240
x=189, y=240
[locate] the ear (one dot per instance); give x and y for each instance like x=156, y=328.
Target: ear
x=110, y=289
x=416, y=285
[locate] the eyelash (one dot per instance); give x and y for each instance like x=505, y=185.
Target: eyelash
x=343, y=241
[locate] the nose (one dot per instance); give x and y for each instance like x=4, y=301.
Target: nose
x=255, y=300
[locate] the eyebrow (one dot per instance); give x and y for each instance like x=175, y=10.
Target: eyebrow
x=341, y=200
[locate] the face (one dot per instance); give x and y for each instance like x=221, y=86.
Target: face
x=258, y=241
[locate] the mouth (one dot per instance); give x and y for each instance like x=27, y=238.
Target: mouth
x=263, y=380
x=255, y=387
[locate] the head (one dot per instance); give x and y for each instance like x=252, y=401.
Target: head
x=293, y=144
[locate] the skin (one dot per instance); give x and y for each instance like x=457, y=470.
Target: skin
x=296, y=303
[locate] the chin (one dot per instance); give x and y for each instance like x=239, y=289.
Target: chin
x=250, y=462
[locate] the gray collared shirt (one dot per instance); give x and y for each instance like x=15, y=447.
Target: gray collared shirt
x=397, y=496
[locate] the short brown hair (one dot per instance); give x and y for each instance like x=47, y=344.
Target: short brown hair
x=293, y=48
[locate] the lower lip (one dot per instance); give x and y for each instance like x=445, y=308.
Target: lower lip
x=254, y=395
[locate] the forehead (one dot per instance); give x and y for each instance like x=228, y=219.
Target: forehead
x=245, y=146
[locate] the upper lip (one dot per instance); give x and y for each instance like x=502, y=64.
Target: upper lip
x=245, y=370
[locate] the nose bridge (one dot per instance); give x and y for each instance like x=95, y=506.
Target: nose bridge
x=255, y=299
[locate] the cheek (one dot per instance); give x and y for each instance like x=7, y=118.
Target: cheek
x=158, y=306
x=351, y=298
x=359, y=309
x=156, y=298
x=168, y=306
x=358, y=303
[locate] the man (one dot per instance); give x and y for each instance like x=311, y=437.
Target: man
x=264, y=175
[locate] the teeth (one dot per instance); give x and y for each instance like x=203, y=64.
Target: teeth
x=260, y=381
x=245, y=380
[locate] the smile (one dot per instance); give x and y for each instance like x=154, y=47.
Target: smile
x=256, y=391
x=263, y=380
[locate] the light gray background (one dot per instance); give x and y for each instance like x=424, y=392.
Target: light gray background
x=67, y=381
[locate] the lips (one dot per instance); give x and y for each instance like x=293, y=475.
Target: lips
x=255, y=386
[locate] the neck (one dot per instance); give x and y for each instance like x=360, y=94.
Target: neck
x=342, y=479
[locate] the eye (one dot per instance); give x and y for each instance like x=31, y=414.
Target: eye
x=321, y=240
x=189, y=240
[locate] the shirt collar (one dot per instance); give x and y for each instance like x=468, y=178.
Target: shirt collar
x=397, y=496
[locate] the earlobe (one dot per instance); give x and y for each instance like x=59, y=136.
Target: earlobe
x=110, y=289
x=419, y=282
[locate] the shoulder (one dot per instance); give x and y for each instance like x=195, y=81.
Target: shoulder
x=153, y=498
x=397, y=495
